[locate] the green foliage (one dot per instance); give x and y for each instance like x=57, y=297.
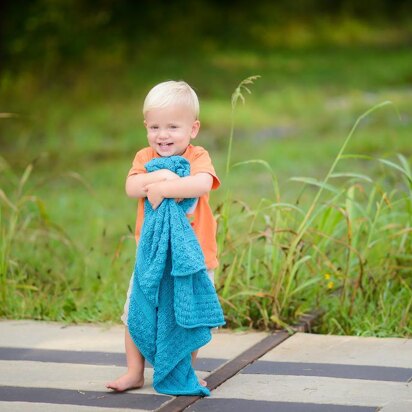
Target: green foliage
x=340, y=252
x=50, y=35
x=44, y=274
x=287, y=244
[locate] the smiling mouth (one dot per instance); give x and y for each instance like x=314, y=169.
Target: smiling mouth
x=165, y=144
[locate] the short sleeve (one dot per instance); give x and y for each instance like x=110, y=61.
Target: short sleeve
x=141, y=158
x=202, y=163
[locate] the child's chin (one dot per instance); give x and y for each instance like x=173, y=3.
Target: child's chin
x=166, y=151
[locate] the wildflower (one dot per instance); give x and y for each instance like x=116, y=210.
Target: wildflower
x=327, y=276
x=330, y=285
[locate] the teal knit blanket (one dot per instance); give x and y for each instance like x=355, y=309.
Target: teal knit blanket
x=173, y=303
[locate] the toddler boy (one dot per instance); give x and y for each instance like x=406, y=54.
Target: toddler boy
x=171, y=111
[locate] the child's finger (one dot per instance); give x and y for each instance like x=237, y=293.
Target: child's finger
x=155, y=205
x=147, y=187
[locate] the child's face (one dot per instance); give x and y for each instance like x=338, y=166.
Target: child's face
x=170, y=129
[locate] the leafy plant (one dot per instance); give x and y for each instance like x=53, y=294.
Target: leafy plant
x=341, y=251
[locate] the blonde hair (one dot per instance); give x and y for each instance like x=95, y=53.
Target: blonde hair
x=169, y=93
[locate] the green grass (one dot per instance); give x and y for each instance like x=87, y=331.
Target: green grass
x=342, y=250
x=66, y=247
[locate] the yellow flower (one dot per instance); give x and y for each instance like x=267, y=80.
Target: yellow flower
x=327, y=276
x=330, y=285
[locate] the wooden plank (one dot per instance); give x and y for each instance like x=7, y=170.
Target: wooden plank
x=234, y=366
x=306, y=322
x=229, y=369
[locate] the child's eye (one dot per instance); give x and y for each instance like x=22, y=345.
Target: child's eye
x=154, y=127
x=173, y=126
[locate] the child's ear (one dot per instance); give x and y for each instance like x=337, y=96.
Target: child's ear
x=195, y=129
x=145, y=123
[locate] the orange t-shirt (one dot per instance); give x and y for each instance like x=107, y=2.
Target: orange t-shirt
x=202, y=220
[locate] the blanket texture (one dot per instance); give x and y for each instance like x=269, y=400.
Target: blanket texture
x=173, y=304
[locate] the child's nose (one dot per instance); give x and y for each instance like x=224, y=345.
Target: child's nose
x=162, y=133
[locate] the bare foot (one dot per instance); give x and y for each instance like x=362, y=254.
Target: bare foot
x=202, y=382
x=128, y=381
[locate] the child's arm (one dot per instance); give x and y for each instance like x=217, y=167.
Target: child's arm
x=185, y=187
x=136, y=184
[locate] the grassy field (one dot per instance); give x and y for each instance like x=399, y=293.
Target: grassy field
x=67, y=141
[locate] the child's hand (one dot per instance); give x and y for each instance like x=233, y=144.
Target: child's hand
x=169, y=175
x=154, y=194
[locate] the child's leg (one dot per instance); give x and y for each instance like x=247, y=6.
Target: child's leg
x=194, y=356
x=134, y=377
x=211, y=275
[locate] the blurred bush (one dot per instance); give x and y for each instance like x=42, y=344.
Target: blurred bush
x=53, y=34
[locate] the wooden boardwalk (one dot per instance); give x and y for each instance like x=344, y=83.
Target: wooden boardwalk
x=52, y=367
